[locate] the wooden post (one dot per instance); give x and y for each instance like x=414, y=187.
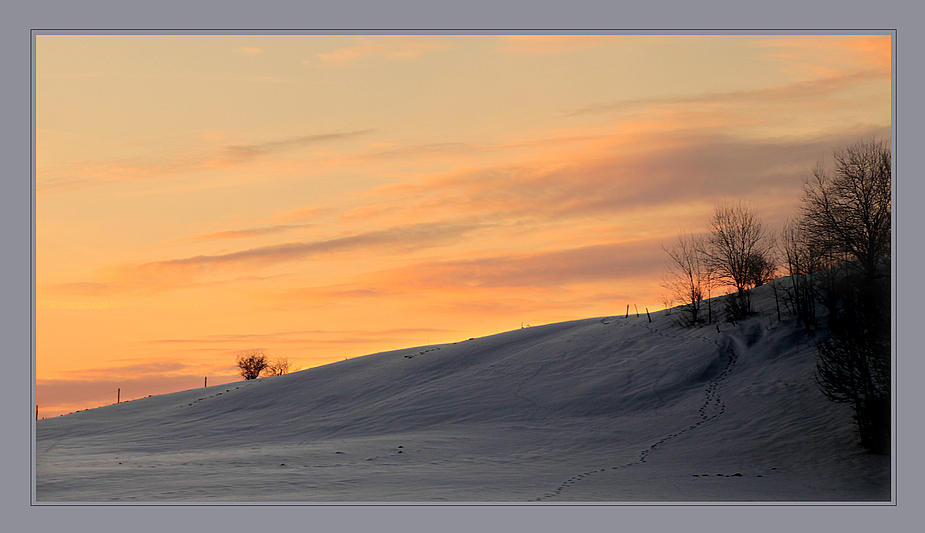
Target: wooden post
x=637, y=310
x=776, y=300
x=627, y=311
x=36, y=411
x=118, y=395
x=206, y=382
x=710, y=306
x=648, y=315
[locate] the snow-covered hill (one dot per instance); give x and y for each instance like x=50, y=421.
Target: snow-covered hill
x=613, y=409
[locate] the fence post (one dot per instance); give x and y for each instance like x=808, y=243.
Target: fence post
x=637, y=310
x=206, y=382
x=118, y=395
x=627, y=311
x=648, y=315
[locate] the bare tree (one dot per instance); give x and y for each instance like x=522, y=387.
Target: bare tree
x=854, y=366
x=846, y=216
x=667, y=302
x=738, y=247
x=280, y=367
x=251, y=364
x=689, y=278
x=802, y=261
x=762, y=267
x=848, y=212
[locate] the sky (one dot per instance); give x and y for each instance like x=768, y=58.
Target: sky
x=322, y=197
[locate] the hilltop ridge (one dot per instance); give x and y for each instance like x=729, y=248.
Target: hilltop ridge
x=602, y=409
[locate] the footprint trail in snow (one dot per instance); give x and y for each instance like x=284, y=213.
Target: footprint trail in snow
x=711, y=408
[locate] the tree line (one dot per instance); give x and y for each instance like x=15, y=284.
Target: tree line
x=835, y=254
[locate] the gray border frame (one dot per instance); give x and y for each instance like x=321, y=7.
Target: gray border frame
x=415, y=15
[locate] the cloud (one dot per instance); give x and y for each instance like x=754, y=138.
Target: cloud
x=876, y=51
x=82, y=305
x=390, y=47
x=83, y=386
x=132, y=370
x=243, y=233
x=399, y=238
x=307, y=337
x=247, y=51
x=799, y=92
x=174, y=273
x=275, y=79
x=422, y=150
x=663, y=171
x=300, y=215
x=555, y=268
x=557, y=44
x=537, y=287
x=812, y=56
x=78, y=288
x=84, y=173
x=670, y=177
x=238, y=153
x=61, y=396
x=546, y=271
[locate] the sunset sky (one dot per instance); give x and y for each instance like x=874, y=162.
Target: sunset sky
x=322, y=197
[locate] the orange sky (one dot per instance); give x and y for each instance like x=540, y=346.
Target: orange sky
x=323, y=197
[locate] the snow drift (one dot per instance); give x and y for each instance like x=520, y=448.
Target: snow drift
x=613, y=409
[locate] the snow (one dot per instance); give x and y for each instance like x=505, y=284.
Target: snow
x=610, y=409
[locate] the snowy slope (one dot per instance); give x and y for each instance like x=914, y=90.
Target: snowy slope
x=609, y=409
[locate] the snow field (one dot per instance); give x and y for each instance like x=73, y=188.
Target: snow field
x=607, y=409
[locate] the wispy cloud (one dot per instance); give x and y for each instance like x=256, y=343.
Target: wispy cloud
x=500, y=290
x=813, y=56
x=80, y=289
x=390, y=47
x=556, y=268
x=174, y=273
x=399, y=238
x=61, y=396
x=246, y=233
x=664, y=169
x=238, y=153
x=82, y=173
x=804, y=91
x=248, y=51
x=557, y=44
x=306, y=337
x=552, y=271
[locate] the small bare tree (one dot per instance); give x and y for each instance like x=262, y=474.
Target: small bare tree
x=689, y=277
x=251, y=364
x=280, y=367
x=667, y=302
x=802, y=262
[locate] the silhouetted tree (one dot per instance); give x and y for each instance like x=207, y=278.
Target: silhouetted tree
x=250, y=365
x=846, y=219
x=738, y=247
x=854, y=363
x=738, y=250
x=761, y=267
x=848, y=212
x=689, y=278
x=802, y=261
x=280, y=367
